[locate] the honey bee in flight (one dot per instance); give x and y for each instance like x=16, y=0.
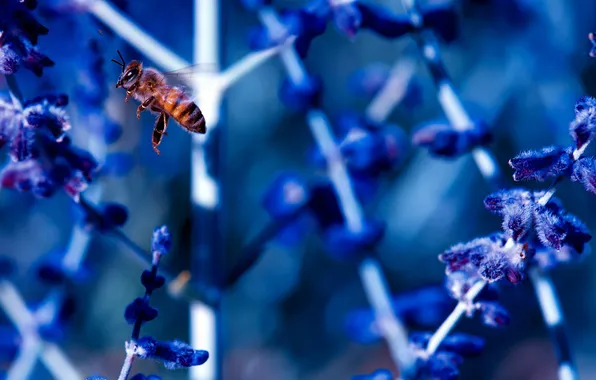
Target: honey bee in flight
x=149, y=86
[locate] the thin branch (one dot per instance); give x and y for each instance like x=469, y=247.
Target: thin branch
x=372, y=278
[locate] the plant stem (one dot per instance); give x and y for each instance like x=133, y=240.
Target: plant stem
x=449, y=323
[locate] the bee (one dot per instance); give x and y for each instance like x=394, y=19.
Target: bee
x=149, y=86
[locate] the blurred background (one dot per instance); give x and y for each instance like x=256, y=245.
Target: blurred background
x=519, y=64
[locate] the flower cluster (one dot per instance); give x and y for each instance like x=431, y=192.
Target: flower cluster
x=42, y=156
x=173, y=354
x=19, y=32
x=592, y=38
x=564, y=162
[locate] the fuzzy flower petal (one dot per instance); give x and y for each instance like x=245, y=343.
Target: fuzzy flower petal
x=162, y=240
x=540, y=165
x=442, y=140
x=584, y=171
x=173, y=354
x=493, y=314
x=582, y=128
x=550, y=228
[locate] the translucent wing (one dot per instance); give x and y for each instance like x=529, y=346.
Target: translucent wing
x=191, y=71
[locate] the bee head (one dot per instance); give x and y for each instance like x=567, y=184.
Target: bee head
x=130, y=74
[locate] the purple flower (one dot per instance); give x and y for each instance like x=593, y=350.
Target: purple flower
x=442, y=140
x=493, y=314
x=584, y=171
x=380, y=374
x=174, y=354
x=51, y=270
x=301, y=96
x=489, y=257
x=539, y=165
x=592, y=38
x=347, y=17
x=19, y=32
x=583, y=126
x=105, y=217
x=140, y=310
x=440, y=366
x=550, y=228
x=443, y=20
x=498, y=201
x=53, y=315
x=43, y=159
x=152, y=281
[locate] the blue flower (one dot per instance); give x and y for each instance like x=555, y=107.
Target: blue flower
x=487, y=257
x=10, y=341
x=592, y=38
x=539, y=165
x=341, y=243
x=301, y=96
x=287, y=194
x=584, y=171
x=19, y=32
x=53, y=315
x=440, y=366
x=380, y=374
x=161, y=242
x=382, y=22
x=43, y=159
x=255, y=4
x=140, y=310
x=550, y=228
x=347, y=17
x=442, y=140
x=493, y=314
x=174, y=354
x=51, y=270
x=151, y=281
x=104, y=218
x=583, y=126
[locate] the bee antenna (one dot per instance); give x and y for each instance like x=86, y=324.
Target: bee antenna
x=121, y=63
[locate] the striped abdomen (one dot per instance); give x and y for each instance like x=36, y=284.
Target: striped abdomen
x=182, y=109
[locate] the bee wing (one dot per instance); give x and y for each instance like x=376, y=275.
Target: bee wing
x=191, y=71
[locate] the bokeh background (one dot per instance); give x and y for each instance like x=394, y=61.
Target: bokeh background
x=519, y=64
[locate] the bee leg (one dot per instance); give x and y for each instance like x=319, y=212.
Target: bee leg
x=159, y=131
x=130, y=90
x=144, y=105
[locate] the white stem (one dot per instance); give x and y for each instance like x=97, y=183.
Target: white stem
x=547, y=298
x=338, y=174
x=134, y=35
x=204, y=188
x=21, y=367
x=392, y=92
x=449, y=323
x=251, y=61
x=16, y=310
x=127, y=365
x=390, y=327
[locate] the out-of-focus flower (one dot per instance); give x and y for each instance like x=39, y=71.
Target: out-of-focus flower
x=592, y=38
x=539, y=165
x=19, y=32
x=52, y=316
x=368, y=80
x=173, y=355
x=444, y=363
x=140, y=310
x=10, y=341
x=304, y=24
x=380, y=374
x=301, y=96
x=493, y=314
x=426, y=306
x=116, y=164
x=341, y=243
x=382, y=21
x=102, y=218
x=43, y=159
x=51, y=270
x=443, y=140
